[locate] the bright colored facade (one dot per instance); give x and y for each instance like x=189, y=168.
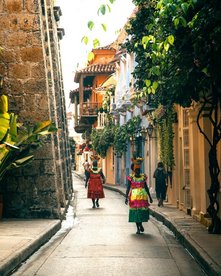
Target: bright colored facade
x=190, y=175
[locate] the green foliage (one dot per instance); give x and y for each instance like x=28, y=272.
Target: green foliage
x=102, y=139
x=165, y=129
x=178, y=47
x=114, y=135
x=90, y=25
x=17, y=142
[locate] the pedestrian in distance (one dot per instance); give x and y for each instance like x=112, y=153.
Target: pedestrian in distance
x=94, y=181
x=137, y=193
x=86, y=168
x=160, y=176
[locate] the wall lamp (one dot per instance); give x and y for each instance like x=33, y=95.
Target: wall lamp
x=147, y=131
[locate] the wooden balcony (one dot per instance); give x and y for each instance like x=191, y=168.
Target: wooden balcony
x=88, y=109
x=88, y=113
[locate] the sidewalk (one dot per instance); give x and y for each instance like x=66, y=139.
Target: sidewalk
x=21, y=238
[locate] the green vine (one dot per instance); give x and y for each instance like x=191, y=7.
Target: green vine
x=114, y=135
x=102, y=139
x=166, y=134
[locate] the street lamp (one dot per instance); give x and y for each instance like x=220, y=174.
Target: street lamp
x=143, y=133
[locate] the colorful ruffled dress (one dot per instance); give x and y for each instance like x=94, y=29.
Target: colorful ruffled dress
x=138, y=199
x=95, y=187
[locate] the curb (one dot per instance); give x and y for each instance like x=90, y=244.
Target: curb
x=185, y=239
x=20, y=256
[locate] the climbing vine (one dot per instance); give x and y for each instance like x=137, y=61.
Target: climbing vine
x=114, y=135
x=166, y=134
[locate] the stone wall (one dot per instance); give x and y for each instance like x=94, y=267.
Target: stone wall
x=31, y=66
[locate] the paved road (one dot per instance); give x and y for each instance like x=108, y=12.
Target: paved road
x=102, y=242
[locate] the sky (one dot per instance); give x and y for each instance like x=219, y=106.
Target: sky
x=74, y=19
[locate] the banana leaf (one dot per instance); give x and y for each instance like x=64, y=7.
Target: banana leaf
x=22, y=161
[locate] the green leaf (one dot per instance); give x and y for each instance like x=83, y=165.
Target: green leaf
x=104, y=27
x=148, y=83
x=102, y=10
x=155, y=85
x=185, y=7
x=205, y=71
x=23, y=161
x=3, y=104
x=166, y=46
x=176, y=22
x=183, y=21
x=90, y=56
x=96, y=43
x=13, y=126
x=90, y=25
x=145, y=41
x=41, y=126
x=85, y=40
x=109, y=9
x=11, y=146
x=170, y=39
x=112, y=1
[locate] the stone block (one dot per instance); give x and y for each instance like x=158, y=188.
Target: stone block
x=49, y=167
x=46, y=148
x=32, y=169
x=34, y=39
x=1, y=6
x=3, y=69
x=13, y=6
x=38, y=71
x=22, y=22
x=32, y=54
x=20, y=71
x=29, y=23
x=7, y=56
x=15, y=86
x=5, y=22
x=16, y=39
x=32, y=6
x=35, y=86
x=46, y=183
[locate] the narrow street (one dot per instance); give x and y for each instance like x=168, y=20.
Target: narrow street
x=101, y=242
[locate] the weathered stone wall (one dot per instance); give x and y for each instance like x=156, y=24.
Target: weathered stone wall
x=30, y=64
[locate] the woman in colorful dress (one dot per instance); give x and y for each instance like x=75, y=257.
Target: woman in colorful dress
x=94, y=180
x=138, y=193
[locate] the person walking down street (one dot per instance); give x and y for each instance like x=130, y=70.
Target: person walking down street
x=137, y=192
x=86, y=168
x=160, y=183
x=94, y=181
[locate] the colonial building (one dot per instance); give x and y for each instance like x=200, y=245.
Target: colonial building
x=88, y=100
x=31, y=66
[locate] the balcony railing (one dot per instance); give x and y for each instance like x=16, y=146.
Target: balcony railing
x=101, y=120
x=89, y=109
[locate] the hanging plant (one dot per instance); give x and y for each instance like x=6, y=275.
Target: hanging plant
x=166, y=134
x=102, y=139
x=120, y=140
x=123, y=133
x=116, y=136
